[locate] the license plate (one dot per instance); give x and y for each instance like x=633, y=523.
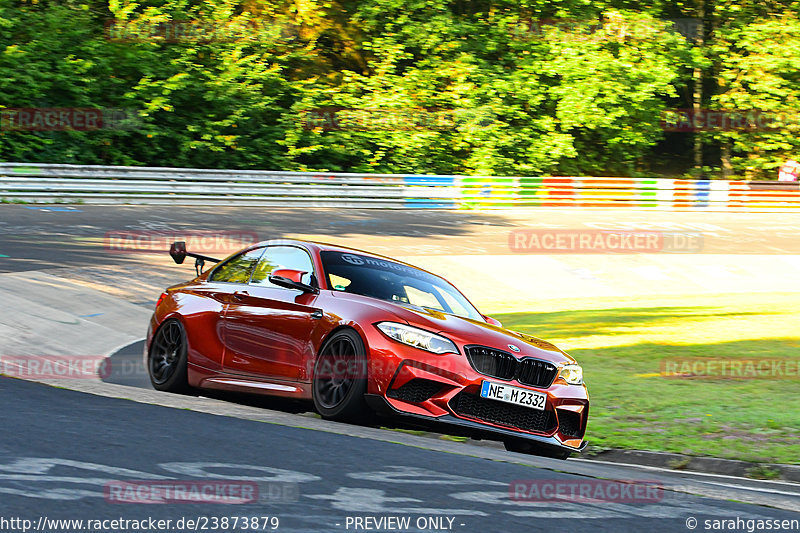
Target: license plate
x=512, y=394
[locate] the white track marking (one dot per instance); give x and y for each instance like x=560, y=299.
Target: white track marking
x=201, y=470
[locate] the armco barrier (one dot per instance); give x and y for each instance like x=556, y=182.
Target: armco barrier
x=49, y=183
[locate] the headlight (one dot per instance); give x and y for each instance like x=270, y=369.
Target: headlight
x=572, y=374
x=418, y=338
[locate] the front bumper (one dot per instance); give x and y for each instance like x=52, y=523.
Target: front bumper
x=470, y=428
x=434, y=390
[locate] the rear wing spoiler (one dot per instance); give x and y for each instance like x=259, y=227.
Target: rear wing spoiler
x=179, y=253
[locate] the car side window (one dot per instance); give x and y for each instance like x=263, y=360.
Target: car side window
x=279, y=257
x=237, y=269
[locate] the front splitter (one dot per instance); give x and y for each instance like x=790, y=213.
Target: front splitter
x=381, y=406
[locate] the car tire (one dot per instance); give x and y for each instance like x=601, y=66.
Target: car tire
x=167, y=357
x=531, y=448
x=340, y=379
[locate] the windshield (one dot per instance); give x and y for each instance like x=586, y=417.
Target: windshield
x=387, y=280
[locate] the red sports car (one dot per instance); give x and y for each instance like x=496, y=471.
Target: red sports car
x=360, y=334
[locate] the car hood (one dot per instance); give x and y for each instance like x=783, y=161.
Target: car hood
x=464, y=331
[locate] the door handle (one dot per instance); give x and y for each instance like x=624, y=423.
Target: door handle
x=240, y=295
x=317, y=314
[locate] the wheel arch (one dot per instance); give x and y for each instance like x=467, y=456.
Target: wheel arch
x=351, y=326
x=166, y=318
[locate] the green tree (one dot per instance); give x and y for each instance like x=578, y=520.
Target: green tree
x=759, y=69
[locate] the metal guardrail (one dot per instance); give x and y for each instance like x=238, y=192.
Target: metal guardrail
x=49, y=183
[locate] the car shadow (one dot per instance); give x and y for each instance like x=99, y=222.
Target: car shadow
x=126, y=367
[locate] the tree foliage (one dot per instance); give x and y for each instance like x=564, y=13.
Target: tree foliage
x=432, y=86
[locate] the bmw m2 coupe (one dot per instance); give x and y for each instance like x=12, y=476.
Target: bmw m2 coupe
x=361, y=335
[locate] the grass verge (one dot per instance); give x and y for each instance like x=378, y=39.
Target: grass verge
x=621, y=345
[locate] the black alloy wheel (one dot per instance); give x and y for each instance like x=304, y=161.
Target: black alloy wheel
x=166, y=361
x=340, y=378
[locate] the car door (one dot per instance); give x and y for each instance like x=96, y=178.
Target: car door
x=203, y=306
x=268, y=329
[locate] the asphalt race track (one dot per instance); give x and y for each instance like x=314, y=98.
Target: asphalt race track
x=320, y=478
x=63, y=451
x=38, y=236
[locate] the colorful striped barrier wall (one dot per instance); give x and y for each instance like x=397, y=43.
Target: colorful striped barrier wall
x=47, y=183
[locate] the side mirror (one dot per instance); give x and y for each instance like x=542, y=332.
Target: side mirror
x=290, y=279
x=492, y=321
x=178, y=251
